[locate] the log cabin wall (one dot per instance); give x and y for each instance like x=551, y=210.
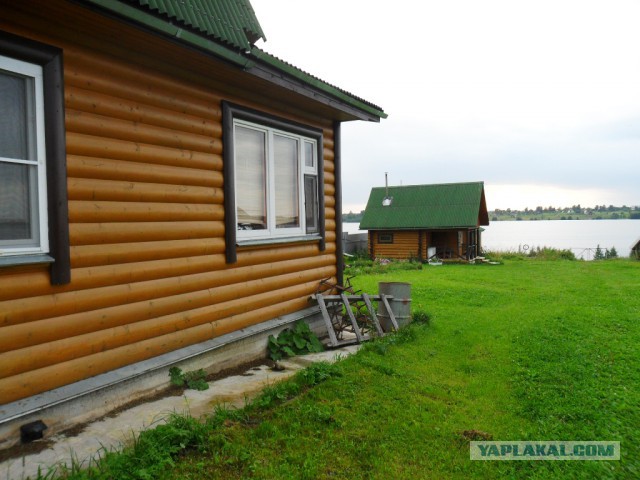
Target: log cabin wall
x=426, y=243
x=415, y=243
x=404, y=245
x=145, y=188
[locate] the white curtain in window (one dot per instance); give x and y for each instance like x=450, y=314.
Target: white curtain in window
x=17, y=184
x=287, y=182
x=22, y=188
x=251, y=188
x=14, y=129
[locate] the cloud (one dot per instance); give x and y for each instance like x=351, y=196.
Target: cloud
x=512, y=93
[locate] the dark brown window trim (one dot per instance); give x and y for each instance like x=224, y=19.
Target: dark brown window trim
x=50, y=59
x=337, y=173
x=230, y=112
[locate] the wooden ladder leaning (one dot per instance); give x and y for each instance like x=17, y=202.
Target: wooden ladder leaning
x=332, y=307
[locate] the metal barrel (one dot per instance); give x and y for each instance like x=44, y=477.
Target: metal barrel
x=400, y=304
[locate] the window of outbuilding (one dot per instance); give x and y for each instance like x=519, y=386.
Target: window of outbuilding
x=385, y=237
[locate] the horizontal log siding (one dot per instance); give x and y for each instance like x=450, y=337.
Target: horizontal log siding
x=406, y=243
x=404, y=246
x=146, y=212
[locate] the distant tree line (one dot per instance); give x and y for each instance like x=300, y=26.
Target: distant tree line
x=574, y=212
x=606, y=254
x=352, y=217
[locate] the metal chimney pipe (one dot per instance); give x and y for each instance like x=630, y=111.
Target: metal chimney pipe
x=386, y=201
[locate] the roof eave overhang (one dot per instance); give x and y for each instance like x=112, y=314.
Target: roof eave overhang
x=159, y=26
x=254, y=62
x=293, y=78
x=295, y=85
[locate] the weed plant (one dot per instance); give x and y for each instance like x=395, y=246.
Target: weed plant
x=365, y=266
x=539, y=253
x=195, y=380
x=298, y=340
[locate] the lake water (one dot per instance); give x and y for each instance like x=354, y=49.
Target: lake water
x=581, y=236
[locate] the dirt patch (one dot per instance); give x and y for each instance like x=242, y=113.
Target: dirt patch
x=239, y=370
x=476, y=435
x=19, y=451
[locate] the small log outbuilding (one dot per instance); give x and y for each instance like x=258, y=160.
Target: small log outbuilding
x=426, y=221
x=168, y=190
x=635, y=250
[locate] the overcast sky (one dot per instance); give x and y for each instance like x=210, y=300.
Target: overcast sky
x=538, y=99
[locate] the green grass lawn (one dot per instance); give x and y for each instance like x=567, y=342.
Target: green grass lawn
x=528, y=350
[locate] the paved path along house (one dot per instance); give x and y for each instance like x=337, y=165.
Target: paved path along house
x=112, y=432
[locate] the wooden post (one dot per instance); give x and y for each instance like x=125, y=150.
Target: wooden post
x=392, y=317
x=372, y=314
x=352, y=318
x=333, y=341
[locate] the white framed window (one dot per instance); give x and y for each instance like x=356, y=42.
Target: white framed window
x=23, y=176
x=276, y=182
x=34, y=216
x=273, y=180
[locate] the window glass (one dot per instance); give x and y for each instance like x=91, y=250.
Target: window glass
x=22, y=192
x=251, y=174
x=287, y=199
x=16, y=107
x=276, y=193
x=309, y=155
x=311, y=202
x=18, y=204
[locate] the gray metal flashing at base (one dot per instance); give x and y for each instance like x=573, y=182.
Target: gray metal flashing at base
x=107, y=384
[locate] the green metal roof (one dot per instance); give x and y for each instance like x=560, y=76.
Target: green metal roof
x=230, y=21
x=447, y=205
x=228, y=29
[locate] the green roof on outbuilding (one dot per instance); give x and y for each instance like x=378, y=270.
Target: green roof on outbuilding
x=439, y=206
